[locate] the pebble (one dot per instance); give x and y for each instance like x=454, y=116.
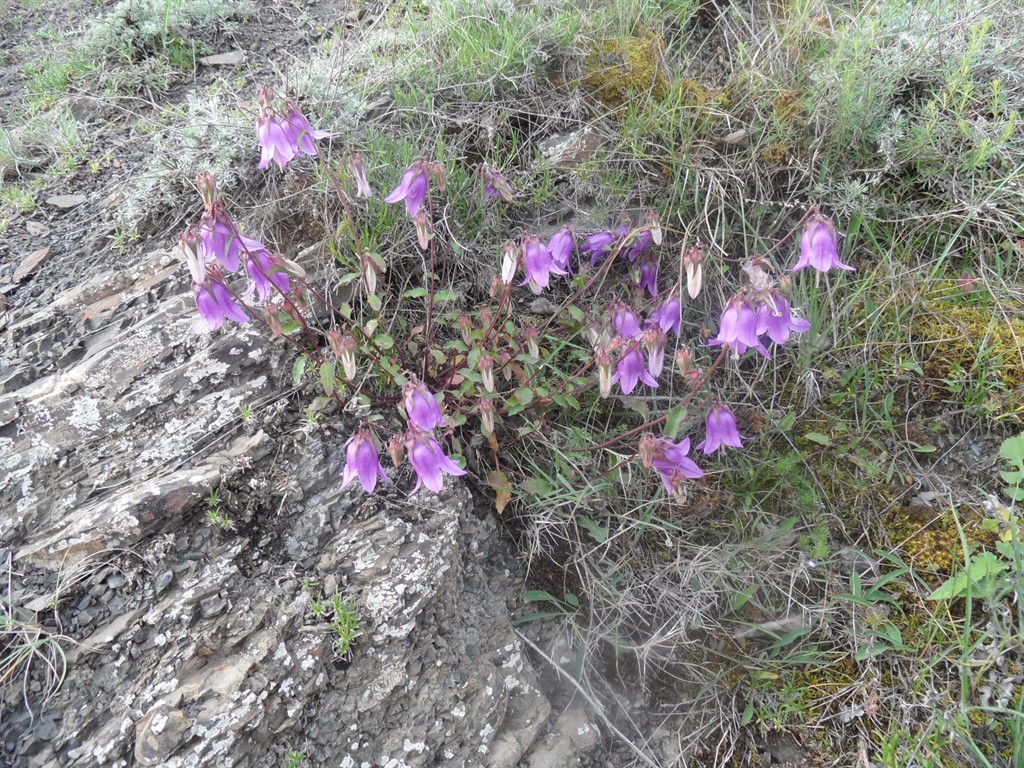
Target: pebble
x=116, y=580
x=163, y=581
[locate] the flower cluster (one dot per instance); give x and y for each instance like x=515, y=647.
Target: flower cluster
x=283, y=133
x=625, y=348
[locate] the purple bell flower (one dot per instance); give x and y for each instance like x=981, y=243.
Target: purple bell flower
x=421, y=407
x=819, y=246
x=429, y=461
x=260, y=267
x=649, y=278
x=668, y=316
x=216, y=304
x=625, y=322
x=630, y=370
x=362, y=460
x=598, y=246
x=644, y=240
x=670, y=461
x=561, y=246
x=775, y=318
x=738, y=328
x=413, y=188
x=721, y=430
x=495, y=184
x=217, y=233
x=539, y=264
x=283, y=136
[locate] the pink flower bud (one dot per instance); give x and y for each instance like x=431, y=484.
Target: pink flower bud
x=466, y=326
x=396, y=450
x=358, y=168
x=208, y=189
x=509, y=262
x=422, y=229
x=347, y=347
x=693, y=264
x=603, y=359
x=653, y=221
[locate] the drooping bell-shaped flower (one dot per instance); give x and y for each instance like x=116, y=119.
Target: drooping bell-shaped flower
x=738, y=328
x=221, y=240
x=509, y=262
x=644, y=240
x=819, y=246
x=649, y=277
x=670, y=461
x=495, y=184
x=191, y=248
x=429, y=461
x=421, y=407
x=597, y=245
x=721, y=430
x=486, y=367
x=538, y=264
x=358, y=168
x=668, y=316
x=265, y=274
x=630, y=370
x=362, y=460
x=413, y=188
x=347, y=355
x=216, y=304
x=775, y=318
x=561, y=246
x=486, y=416
x=283, y=135
x=625, y=322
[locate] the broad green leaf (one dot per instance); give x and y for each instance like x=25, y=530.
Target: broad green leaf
x=817, y=437
x=374, y=301
x=327, y=379
x=597, y=532
x=298, y=369
x=673, y=421
x=524, y=395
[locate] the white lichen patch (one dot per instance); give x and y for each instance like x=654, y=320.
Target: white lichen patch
x=85, y=414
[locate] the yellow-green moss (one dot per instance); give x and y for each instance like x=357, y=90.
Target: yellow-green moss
x=930, y=538
x=977, y=347
x=621, y=69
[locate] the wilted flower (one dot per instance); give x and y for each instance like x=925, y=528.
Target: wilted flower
x=538, y=263
x=413, y=188
x=261, y=268
x=486, y=367
x=721, y=430
x=738, y=328
x=429, y=461
x=495, y=185
x=422, y=229
x=532, y=341
x=347, y=355
x=775, y=318
x=668, y=316
x=670, y=461
x=216, y=304
x=358, y=168
x=693, y=264
x=687, y=369
x=561, y=245
x=486, y=415
x=630, y=369
x=190, y=243
x=819, y=246
x=509, y=262
x=597, y=245
x=654, y=223
x=603, y=360
x=421, y=407
x=363, y=461
x=654, y=342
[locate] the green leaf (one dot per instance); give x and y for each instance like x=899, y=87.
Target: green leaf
x=524, y=395
x=597, y=532
x=298, y=369
x=572, y=600
x=918, y=448
x=673, y=420
x=327, y=379
x=444, y=296
x=978, y=578
x=537, y=486
x=575, y=313
x=383, y=341
x=1012, y=450
x=538, y=595
x=1012, y=478
x=787, y=422
x=817, y=437
x=748, y=714
x=374, y=301
x=415, y=293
